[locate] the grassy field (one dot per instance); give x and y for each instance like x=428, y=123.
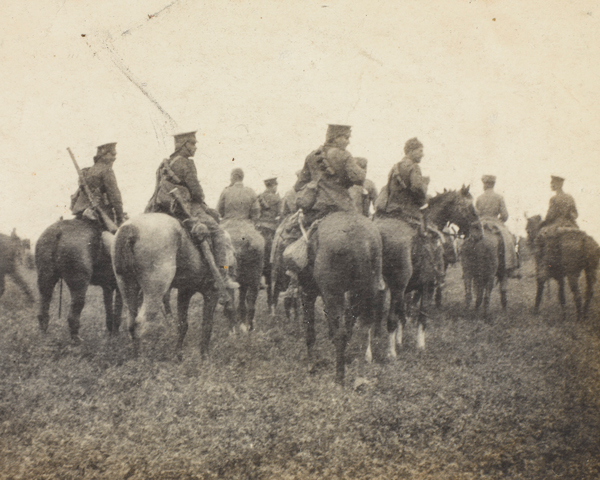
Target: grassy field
x=516, y=398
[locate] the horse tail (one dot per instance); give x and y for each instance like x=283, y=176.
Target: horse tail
x=47, y=247
x=124, y=258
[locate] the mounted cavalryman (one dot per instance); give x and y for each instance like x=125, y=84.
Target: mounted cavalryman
x=178, y=172
x=405, y=195
x=238, y=201
x=101, y=183
x=493, y=213
x=270, y=206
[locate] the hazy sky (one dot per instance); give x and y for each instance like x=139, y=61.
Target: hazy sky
x=497, y=87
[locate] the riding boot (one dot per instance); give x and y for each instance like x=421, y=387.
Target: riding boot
x=221, y=244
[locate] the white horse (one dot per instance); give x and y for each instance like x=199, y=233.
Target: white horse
x=153, y=253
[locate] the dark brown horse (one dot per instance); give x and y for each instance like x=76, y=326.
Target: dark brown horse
x=564, y=253
x=345, y=256
x=483, y=263
x=151, y=254
x=15, y=258
x=249, y=248
x=398, y=239
x=73, y=250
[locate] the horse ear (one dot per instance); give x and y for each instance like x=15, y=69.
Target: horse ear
x=525, y=215
x=468, y=187
x=445, y=189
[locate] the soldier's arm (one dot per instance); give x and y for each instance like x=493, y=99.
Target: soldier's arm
x=552, y=213
x=372, y=189
x=503, y=211
x=255, y=210
x=113, y=193
x=418, y=184
x=574, y=213
x=192, y=182
x=221, y=204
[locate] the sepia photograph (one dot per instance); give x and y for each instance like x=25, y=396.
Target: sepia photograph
x=254, y=239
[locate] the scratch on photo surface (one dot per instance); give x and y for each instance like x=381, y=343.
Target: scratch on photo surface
x=120, y=64
x=150, y=17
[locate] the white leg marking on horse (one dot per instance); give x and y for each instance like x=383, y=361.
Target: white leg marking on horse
x=244, y=328
x=420, y=337
x=369, y=353
x=392, y=345
x=399, y=333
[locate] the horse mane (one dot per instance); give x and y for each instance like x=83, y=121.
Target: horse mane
x=440, y=197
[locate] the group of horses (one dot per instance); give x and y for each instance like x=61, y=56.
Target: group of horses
x=152, y=253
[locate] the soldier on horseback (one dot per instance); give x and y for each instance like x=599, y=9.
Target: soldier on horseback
x=323, y=183
x=270, y=206
x=178, y=172
x=562, y=211
x=561, y=218
x=405, y=195
x=237, y=201
x=493, y=213
x=101, y=181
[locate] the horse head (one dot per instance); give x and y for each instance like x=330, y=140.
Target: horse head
x=453, y=206
x=533, y=227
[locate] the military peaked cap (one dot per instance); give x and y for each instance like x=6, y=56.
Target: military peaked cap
x=269, y=182
x=335, y=131
x=488, y=179
x=106, y=148
x=182, y=138
x=555, y=178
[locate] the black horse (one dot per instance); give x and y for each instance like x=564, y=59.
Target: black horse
x=74, y=250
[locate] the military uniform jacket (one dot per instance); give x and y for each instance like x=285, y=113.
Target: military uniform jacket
x=178, y=172
x=333, y=171
x=562, y=211
x=270, y=207
x=406, y=189
x=239, y=202
x=363, y=196
x=491, y=205
x=102, y=182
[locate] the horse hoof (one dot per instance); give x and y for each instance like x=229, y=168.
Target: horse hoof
x=76, y=340
x=244, y=328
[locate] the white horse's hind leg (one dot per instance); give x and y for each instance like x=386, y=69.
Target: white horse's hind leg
x=369, y=353
x=420, y=337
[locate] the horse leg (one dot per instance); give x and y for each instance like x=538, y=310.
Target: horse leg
x=562, y=298
x=308, y=297
x=468, y=281
x=23, y=285
x=422, y=316
x=503, y=292
x=396, y=321
x=77, y=303
x=574, y=284
x=243, y=308
x=46, y=283
x=478, y=294
x=107, y=294
x=590, y=277
x=118, y=311
x=334, y=310
x=208, y=312
x=183, y=304
x=538, y=295
x=267, y=274
x=251, y=297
